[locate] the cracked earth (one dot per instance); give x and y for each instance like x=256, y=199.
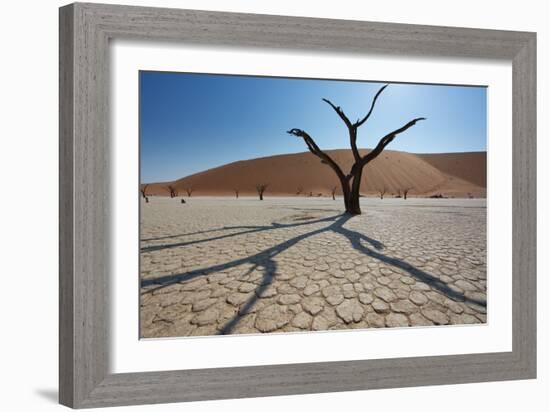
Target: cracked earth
x=226, y=266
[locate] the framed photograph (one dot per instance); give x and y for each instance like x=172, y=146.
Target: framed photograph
x=257, y=205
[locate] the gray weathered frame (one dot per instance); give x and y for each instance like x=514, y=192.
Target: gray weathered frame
x=85, y=31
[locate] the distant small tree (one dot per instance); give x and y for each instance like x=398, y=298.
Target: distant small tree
x=260, y=188
x=406, y=192
x=236, y=193
x=143, y=191
x=189, y=191
x=382, y=191
x=333, y=191
x=172, y=190
x=398, y=195
x=299, y=190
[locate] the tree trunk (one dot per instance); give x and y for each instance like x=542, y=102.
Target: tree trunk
x=261, y=196
x=354, y=207
x=351, y=198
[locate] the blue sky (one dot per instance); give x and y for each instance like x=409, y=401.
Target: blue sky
x=193, y=122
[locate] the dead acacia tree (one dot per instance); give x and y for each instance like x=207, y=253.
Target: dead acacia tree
x=299, y=190
x=143, y=191
x=189, y=191
x=236, y=193
x=351, y=181
x=382, y=191
x=172, y=190
x=333, y=191
x=260, y=188
x=406, y=191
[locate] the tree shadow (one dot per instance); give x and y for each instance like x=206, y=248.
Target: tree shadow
x=200, y=232
x=256, y=259
x=264, y=260
x=246, y=230
x=355, y=240
x=306, y=209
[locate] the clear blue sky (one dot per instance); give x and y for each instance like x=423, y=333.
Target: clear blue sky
x=193, y=122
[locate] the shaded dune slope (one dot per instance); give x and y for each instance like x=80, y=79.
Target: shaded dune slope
x=470, y=166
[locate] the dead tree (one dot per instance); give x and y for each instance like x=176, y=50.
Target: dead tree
x=172, y=190
x=261, y=189
x=351, y=181
x=333, y=191
x=236, y=193
x=382, y=191
x=143, y=191
x=398, y=195
x=299, y=190
x=405, y=192
x=189, y=191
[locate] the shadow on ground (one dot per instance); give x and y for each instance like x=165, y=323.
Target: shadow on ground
x=264, y=260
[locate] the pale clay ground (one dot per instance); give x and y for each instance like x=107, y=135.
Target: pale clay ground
x=221, y=265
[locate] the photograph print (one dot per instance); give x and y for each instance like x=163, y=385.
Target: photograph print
x=272, y=205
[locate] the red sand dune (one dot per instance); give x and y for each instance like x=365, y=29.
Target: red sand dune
x=450, y=174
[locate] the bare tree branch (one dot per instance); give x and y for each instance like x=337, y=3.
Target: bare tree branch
x=340, y=112
x=352, y=129
x=385, y=141
x=313, y=148
x=364, y=119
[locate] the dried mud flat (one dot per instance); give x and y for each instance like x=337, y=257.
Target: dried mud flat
x=225, y=266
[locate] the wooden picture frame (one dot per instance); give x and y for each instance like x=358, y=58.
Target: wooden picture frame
x=85, y=31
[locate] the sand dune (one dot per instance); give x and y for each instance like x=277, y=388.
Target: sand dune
x=469, y=166
x=450, y=174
